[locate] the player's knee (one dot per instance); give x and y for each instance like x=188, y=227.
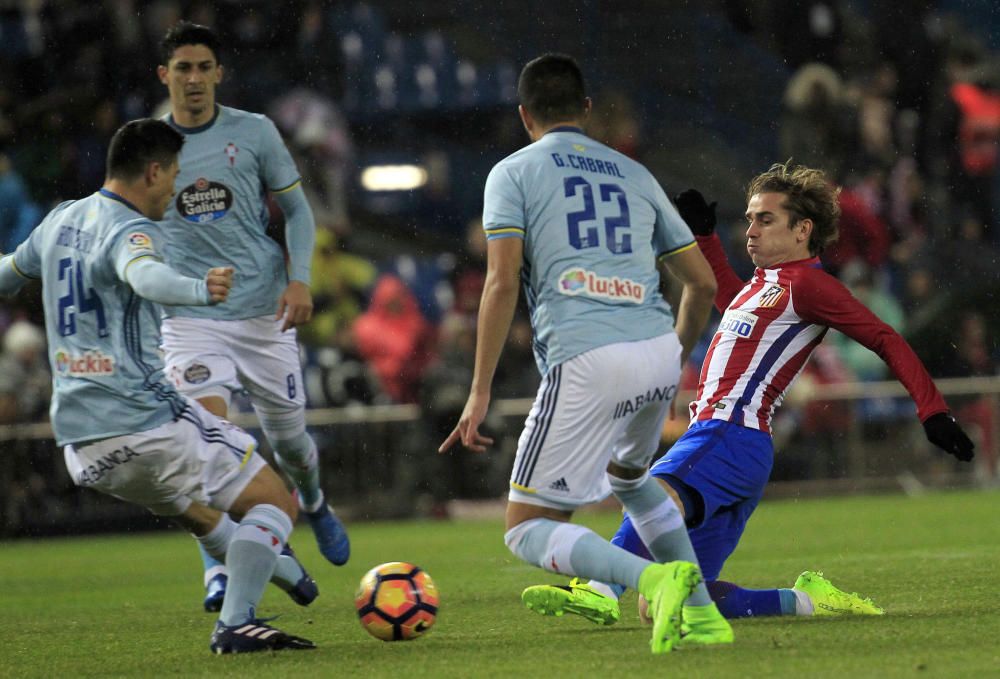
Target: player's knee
x=265, y=488
x=527, y=540
x=617, y=471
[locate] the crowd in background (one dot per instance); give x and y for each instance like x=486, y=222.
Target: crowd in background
x=898, y=102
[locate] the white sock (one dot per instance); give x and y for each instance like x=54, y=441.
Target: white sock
x=803, y=603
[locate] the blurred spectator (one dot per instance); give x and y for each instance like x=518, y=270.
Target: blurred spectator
x=861, y=362
x=976, y=134
x=341, y=282
x=517, y=375
x=613, y=122
x=18, y=214
x=25, y=381
x=864, y=234
x=319, y=138
x=395, y=339
x=469, y=274
x=807, y=31
x=819, y=126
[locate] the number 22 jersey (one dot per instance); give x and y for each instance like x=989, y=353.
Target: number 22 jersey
x=594, y=223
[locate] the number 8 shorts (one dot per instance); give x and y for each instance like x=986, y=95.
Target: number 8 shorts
x=210, y=357
x=606, y=404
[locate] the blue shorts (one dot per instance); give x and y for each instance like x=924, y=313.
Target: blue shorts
x=723, y=469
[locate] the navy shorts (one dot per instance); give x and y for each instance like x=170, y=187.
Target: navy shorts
x=723, y=469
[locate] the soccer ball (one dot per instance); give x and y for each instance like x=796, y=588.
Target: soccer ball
x=396, y=601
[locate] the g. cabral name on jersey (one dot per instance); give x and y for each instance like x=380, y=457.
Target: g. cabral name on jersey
x=89, y=364
x=578, y=281
x=204, y=201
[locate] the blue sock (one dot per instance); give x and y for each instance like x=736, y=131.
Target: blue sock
x=734, y=601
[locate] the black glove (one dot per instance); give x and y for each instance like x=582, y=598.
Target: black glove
x=698, y=214
x=943, y=431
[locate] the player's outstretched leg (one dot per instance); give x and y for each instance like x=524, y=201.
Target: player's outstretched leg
x=828, y=600
x=666, y=586
x=578, y=598
x=258, y=542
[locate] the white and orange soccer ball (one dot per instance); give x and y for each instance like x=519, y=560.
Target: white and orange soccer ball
x=396, y=601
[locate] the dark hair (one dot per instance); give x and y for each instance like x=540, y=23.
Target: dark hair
x=808, y=195
x=140, y=142
x=188, y=33
x=551, y=88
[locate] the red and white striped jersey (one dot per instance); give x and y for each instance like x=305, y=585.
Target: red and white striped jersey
x=769, y=328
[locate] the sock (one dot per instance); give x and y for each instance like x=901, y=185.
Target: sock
x=251, y=559
x=803, y=602
x=737, y=602
x=299, y=459
x=287, y=571
x=213, y=545
x=659, y=524
x=612, y=591
x=571, y=549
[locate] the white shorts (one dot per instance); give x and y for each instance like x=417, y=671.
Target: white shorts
x=209, y=357
x=607, y=404
x=195, y=458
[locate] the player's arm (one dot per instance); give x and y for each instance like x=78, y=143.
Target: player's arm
x=496, y=311
x=23, y=265
x=137, y=262
x=296, y=303
x=821, y=298
x=697, y=292
x=700, y=216
x=12, y=279
x=153, y=280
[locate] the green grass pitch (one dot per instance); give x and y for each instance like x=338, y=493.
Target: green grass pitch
x=130, y=605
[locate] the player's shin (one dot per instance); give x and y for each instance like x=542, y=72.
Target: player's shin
x=251, y=559
x=659, y=523
x=571, y=549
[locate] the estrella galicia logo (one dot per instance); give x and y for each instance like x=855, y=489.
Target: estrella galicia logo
x=204, y=201
x=196, y=373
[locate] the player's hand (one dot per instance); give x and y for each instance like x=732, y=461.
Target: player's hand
x=219, y=281
x=943, y=431
x=698, y=214
x=296, y=305
x=467, y=430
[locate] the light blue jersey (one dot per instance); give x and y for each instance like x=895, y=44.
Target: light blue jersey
x=102, y=337
x=594, y=223
x=219, y=215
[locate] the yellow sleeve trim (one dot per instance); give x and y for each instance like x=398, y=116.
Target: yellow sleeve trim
x=18, y=271
x=523, y=489
x=671, y=253
x=287, y=188
x=505, y=231
x=133, y=261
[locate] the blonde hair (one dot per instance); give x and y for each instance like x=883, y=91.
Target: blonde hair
x=808, y=195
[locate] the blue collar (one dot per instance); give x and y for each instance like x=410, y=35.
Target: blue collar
x=194, y=130
x=114, y=196
x=567, y=128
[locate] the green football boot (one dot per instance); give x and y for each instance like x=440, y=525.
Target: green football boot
x=828, y=600
x=577, y=598
x=666, y=587
x=704, y=626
